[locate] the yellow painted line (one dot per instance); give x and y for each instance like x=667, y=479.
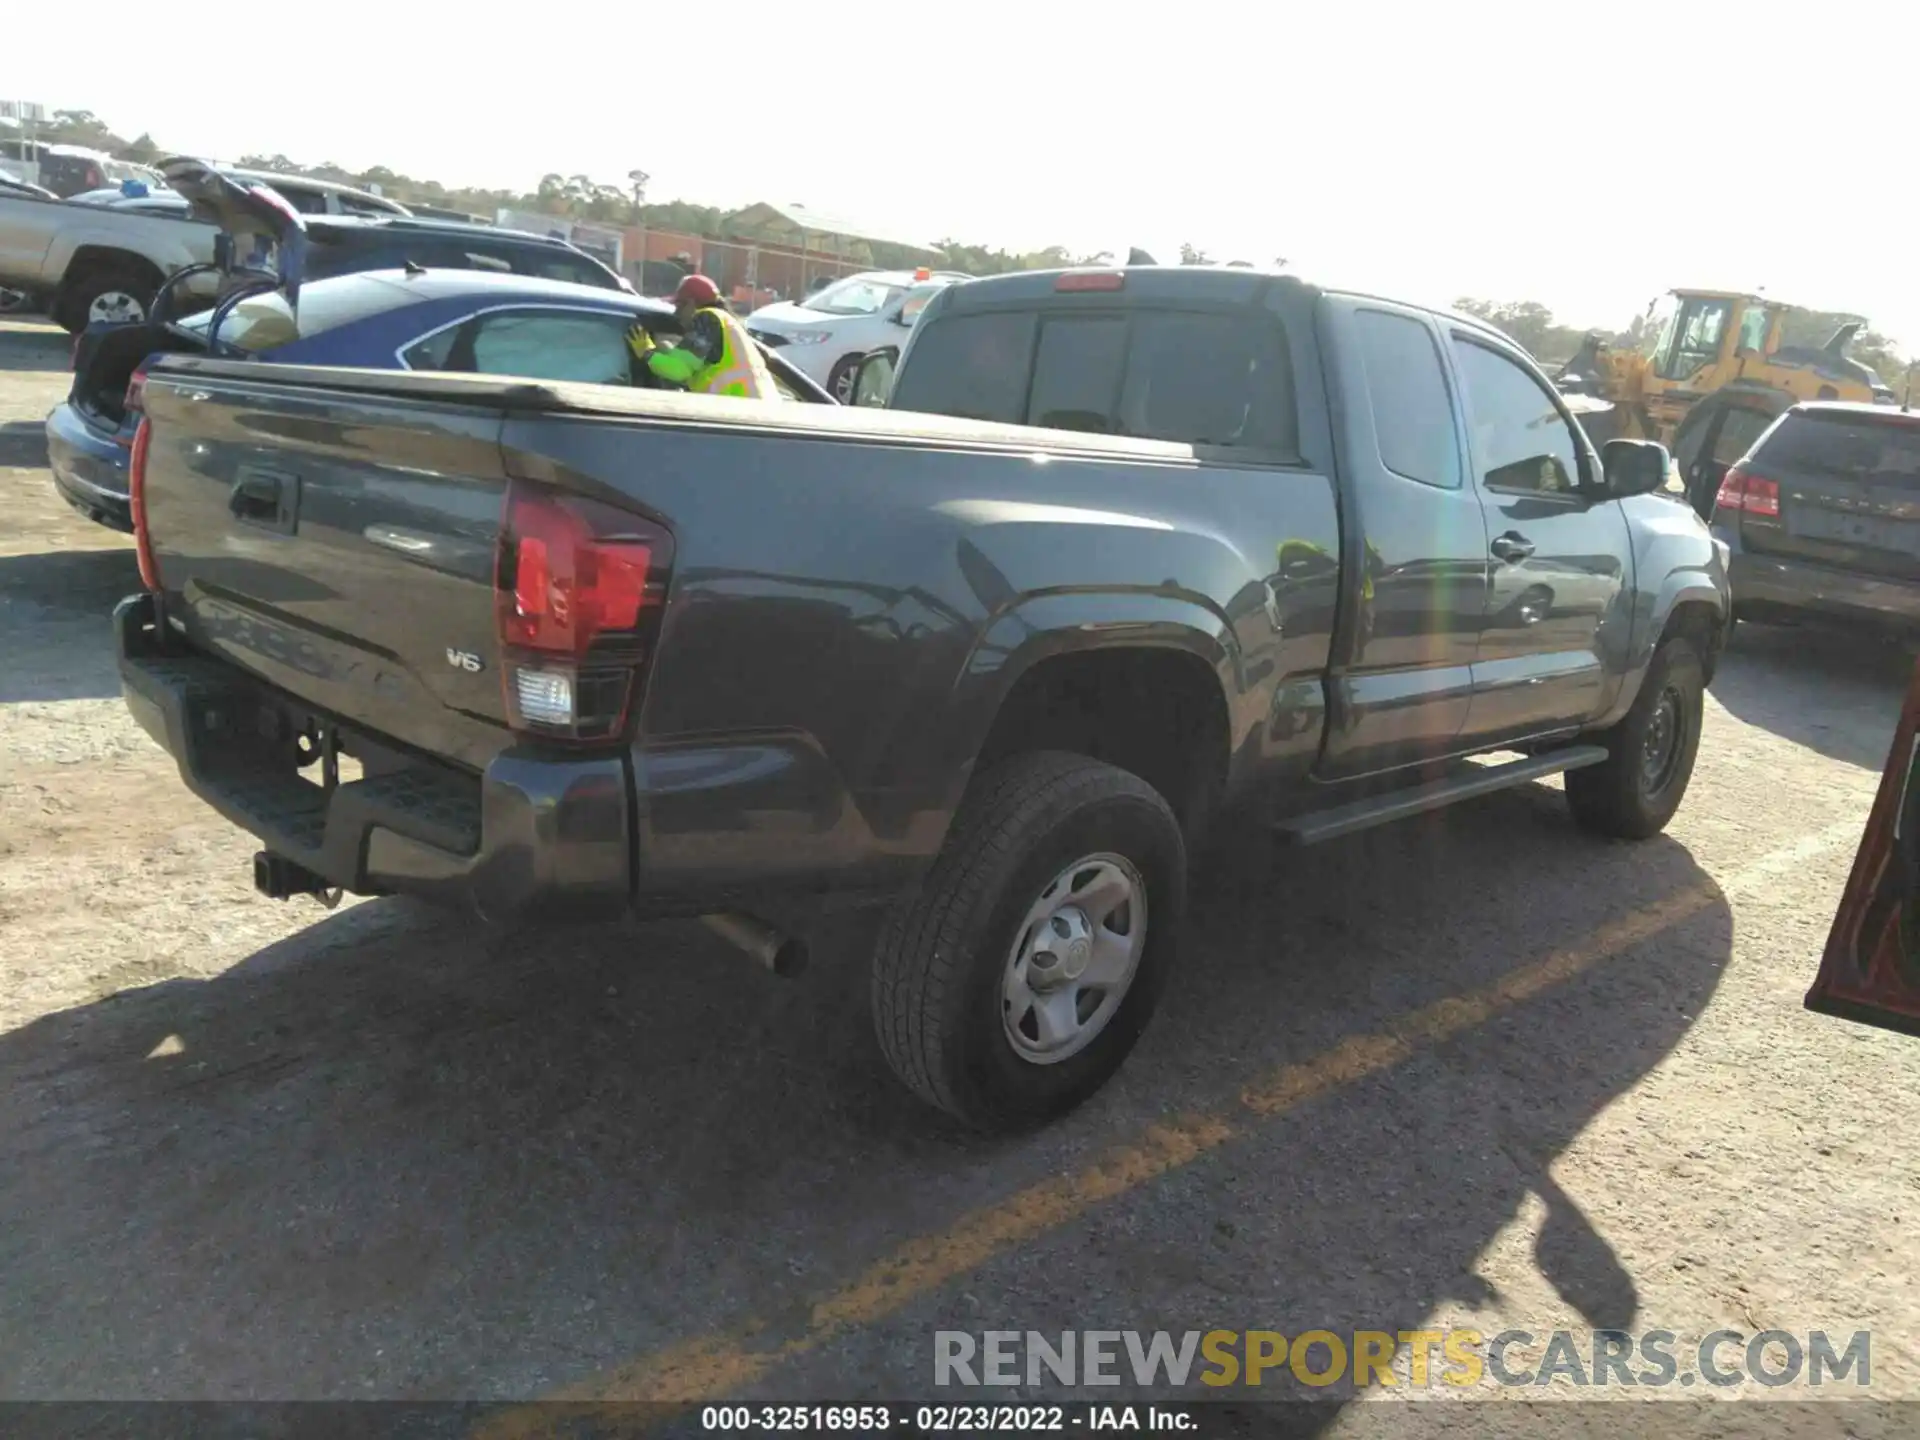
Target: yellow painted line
x=710, y=1367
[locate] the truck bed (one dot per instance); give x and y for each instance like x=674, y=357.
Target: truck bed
x=835, y=599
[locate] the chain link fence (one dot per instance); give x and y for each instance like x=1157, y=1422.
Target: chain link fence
x=748, y=275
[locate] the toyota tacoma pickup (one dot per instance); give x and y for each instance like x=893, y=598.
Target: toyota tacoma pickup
x=1130, y=553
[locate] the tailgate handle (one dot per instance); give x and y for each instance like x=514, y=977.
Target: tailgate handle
x=264, y=497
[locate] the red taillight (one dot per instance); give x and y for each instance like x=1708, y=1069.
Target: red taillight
x=1091, y=280
x=137, y=497
x=1754, y=494
x=578, y=583
x=134, y=403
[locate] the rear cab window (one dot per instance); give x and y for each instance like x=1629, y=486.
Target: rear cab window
x=1198, y=376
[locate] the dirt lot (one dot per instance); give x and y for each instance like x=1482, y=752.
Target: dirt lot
x=254, y=1150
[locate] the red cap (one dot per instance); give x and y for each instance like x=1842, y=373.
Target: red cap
x=696, y=290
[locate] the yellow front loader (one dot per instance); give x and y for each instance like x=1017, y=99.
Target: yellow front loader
x=1709, y=342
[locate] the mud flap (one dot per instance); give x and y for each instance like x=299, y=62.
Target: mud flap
x=1871, y=969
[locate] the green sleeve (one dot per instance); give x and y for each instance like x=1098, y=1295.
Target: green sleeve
x=676, y=366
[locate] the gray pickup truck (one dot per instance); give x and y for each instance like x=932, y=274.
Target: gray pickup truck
x=95, y=262
x=1130, y=553
x=105, y=262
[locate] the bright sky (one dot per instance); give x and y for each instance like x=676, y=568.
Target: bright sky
x=1584, y=156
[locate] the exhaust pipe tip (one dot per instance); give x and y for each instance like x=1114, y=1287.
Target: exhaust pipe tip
x=785, y=955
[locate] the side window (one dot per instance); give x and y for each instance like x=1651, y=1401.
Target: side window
x=974, y=366
x=1520, y=439
x=459, y=257
x=433, y=352
x=551, y=345
x=1702, y=324
x=307, y=202
x=1753, y=329
x=1738, y=430
x=1076, y=375
x=917, y=299
x=569, y=268
x=1412, y=415
x=325, y=260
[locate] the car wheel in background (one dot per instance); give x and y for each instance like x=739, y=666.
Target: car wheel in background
x=1016, y=981
x=110, y=295
x=840, y=378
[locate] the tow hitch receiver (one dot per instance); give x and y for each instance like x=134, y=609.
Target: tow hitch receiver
x=279, y=878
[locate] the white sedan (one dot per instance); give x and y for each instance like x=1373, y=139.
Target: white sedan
x=826, y=335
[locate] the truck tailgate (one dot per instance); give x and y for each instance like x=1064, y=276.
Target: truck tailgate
x=340, y=547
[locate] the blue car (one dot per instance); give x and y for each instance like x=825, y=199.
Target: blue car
x=417, y=318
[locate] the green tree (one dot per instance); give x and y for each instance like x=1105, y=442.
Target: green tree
x=82, y=127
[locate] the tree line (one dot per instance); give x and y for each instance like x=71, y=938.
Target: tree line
x=580, y=197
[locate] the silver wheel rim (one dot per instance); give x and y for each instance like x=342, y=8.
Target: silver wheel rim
x=1074, y=958
x=111, y=307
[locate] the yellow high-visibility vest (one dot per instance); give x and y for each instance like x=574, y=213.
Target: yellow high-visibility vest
x=741, y=370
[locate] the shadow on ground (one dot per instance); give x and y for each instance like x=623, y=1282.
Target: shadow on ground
x=23, y=443
x=1832, y=690
x=399, y=1156
x=34, y=345
x=56, y=612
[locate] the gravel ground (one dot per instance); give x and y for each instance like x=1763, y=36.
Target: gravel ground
x=255, y=1150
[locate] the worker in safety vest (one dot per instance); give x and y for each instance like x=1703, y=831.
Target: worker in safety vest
x=715, y=355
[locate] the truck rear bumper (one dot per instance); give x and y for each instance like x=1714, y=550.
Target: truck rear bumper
x=534, y=834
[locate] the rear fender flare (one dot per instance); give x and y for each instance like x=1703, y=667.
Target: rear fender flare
x=80, y=249
x=1043, y=627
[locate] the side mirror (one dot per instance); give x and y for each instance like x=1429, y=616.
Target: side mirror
x=900, y=317
x=873, y=381
x=1634, y=467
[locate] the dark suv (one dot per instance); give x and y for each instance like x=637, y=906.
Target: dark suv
x=1822, y=517
x=341, y=245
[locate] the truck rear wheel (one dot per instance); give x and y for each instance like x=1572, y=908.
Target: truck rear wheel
x=1635, y=792
x=1014, y=984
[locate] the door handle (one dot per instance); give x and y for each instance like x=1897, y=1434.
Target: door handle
x=1512, y=546
x=255, y=497
x=266, y=498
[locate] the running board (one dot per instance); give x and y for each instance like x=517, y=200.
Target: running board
x=1464, y=781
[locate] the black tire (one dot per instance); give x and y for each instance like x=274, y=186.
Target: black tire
x=940, y=965
x=1626, y=796
x=76, y=298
